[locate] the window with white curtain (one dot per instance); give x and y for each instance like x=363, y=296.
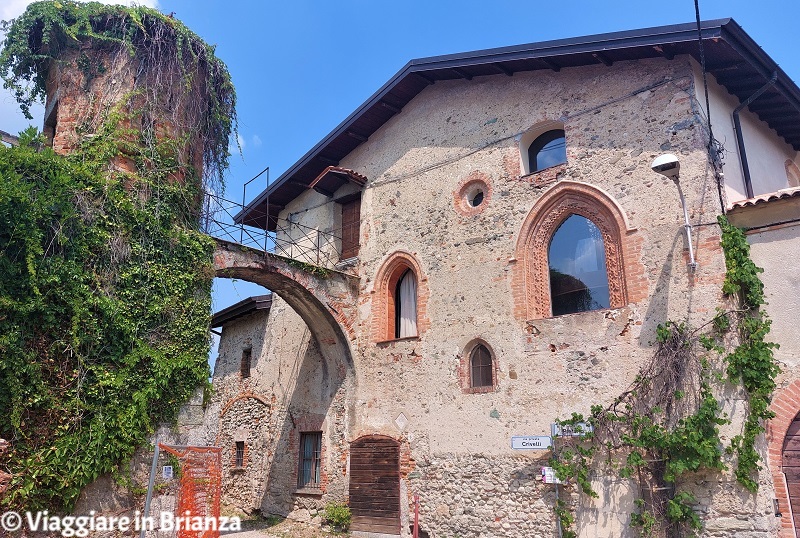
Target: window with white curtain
x=406, y=306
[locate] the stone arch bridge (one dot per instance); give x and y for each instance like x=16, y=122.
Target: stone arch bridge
x=325, y=299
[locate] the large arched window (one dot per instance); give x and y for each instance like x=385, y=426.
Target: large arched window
x=577, y=264
x=405, y=305
x=576, y=252
x=548, y=150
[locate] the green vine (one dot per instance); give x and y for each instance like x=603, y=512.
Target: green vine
x=667, y=423
x=752, y=363
x=105, y=295
x=166, y=53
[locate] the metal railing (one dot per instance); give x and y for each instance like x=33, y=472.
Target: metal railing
x=278, y=236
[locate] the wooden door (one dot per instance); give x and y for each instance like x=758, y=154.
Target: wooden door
x=791, y=468
x=375, y=485
x=351, y=228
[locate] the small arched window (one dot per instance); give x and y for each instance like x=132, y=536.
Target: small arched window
x=547, y=150
x=577, y=264
x=405, y=305
x=481, y=367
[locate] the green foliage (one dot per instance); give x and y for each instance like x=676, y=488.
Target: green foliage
x=752, y=363
x=658, y=446
x=166, y=49
x=741, y=274
x=338, y=516
x=565, y=518
x=679, y=510
x=104, y=304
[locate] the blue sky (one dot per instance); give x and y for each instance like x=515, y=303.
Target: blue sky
x=301, y=67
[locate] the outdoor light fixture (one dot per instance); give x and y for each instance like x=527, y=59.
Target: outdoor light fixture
x=669, y=166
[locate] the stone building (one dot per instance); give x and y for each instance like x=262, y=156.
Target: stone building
x=501, y=255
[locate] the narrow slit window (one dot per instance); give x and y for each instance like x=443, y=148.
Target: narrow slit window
x=239, y=458
x=577, y=263
x=247, y=357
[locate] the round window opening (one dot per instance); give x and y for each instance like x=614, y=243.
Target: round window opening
x=476, y=199
x=473, y=196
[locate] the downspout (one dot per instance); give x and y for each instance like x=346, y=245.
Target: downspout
x=737, y=125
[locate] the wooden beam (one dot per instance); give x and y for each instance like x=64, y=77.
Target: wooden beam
x=8, y=138
x=501, y=69
x=461, y=73
x=427, y=80
x=328, y=160
x=602, y=58
x=551, y=64
x=663, y=52
x=360, y=138
x=393, y=109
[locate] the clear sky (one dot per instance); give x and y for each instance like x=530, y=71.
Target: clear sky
x=301, y=67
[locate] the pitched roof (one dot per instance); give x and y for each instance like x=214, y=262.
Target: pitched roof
x=735, y=60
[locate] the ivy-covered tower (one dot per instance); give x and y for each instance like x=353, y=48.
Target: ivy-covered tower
x=128, y=75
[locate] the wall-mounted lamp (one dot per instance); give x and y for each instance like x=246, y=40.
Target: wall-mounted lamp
x=669, y=166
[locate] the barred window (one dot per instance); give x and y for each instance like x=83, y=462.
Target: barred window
x=308, y=475
x=239, y=459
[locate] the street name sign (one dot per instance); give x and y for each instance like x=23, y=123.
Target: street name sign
x=532, y=442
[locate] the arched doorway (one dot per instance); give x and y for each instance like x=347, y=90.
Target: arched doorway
x=791, y=469
x=375, y=485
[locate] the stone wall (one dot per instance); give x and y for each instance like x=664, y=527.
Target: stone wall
x=458, y=456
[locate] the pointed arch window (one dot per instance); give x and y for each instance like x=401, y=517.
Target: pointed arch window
x=481, y=367
x=577, y=266
x=405, y=301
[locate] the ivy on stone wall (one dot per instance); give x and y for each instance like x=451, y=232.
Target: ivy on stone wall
x=162, y=48
x=106, y=278
x=667, y=423
x=105, y=300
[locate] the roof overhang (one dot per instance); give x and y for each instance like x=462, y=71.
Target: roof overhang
x=333, y=177
x=241, y=309
x=732, y=57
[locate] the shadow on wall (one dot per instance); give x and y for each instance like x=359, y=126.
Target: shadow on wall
x=658, y=307
x=314, y=402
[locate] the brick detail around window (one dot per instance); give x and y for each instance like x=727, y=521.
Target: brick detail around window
x=310, y=423
x=395, y=265
x=530, y=286
x=464, y=369
x=546, y=176
x=474, y=181
x=786, y=406
x=246, y=458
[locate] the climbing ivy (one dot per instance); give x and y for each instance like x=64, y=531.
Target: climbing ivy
x=106, y=278
x=163, y=49
x=667, y=423
x=752, y=363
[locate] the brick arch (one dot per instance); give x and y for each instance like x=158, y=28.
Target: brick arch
x=786, y=406
x=393, y=267
x=531, y=277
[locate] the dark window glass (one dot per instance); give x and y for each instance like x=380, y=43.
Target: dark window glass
x=481, y=365
x=577, y=258
x=549, y=149
x=477, y=199
x=239, y=454
x=310, y=448
x=247, y=356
